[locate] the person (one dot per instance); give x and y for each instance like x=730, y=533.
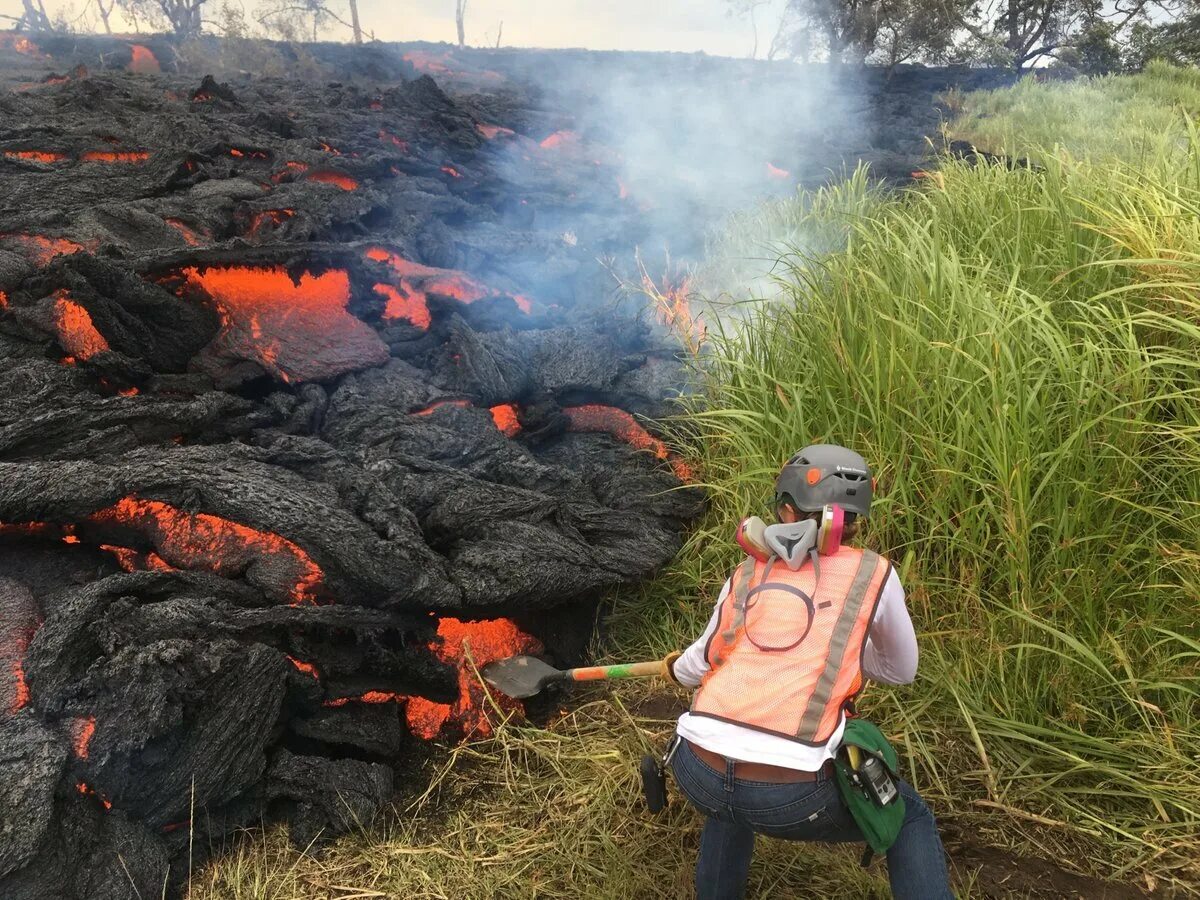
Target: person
x=778, y=666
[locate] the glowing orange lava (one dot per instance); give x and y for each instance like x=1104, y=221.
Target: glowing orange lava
x=297, y=330
x=88, y=792
x=621, y=425
x=777, y=173
x=461, y=644
x=446, y=282
x=42, y=156
x=291, y=167
x=82, y=728
x=144, y=62
x=438, y=404
x=273, y=217
x=76, y=333
x=405, y=303
x=428, y=63
x=190, y=236
x=39, y=248
x=203, y=541
x=559, y=139
x=116, y=156
x=491, y=132
x=3, y=300
x=451, y=171
x=12, y=652
x=135, y=561
x=20, y=44
x=306, y=667
x=327, y=176
x=505, y=417
x=391, y=138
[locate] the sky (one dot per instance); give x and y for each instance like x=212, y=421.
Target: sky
x=682, y=25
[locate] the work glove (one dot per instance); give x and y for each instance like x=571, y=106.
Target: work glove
x=669, y=666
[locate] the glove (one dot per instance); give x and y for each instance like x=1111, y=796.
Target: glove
x=669, y=666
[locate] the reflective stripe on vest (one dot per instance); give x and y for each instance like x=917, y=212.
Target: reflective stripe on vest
x=786, y=654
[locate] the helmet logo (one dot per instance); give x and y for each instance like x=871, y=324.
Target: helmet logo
x=812, y=476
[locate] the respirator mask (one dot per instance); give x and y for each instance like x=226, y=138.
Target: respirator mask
x=793, y=542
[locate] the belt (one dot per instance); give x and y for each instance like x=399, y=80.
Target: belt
x=752, y=771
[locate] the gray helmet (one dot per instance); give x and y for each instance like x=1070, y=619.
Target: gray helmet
x=826, y=473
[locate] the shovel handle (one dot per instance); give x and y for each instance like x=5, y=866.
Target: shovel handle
x=622, y=670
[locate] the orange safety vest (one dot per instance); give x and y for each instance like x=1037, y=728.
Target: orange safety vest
x=786, y=655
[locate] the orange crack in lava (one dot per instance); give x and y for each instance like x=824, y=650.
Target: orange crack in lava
x=41, y=249
x=76, y=333
x=88, y=792
x=203, y=541
x=144, y=62
x=405, y=303
x=115, y=156
x=559, y=139
x=487, y=642
x=391, y=138
x=82, y=728
x=42, y=156
x=297, y=330
x=133, y=561
x=306, y=667
x=621, y=425
x=289, y=168
x=505, y=417
x=327, y=176
x=451, y=171
x=777, y=173
x=12, y=651
x=3, y=300
x=273, y=217
x=447, y=282
x=493, y=131
x=190, y=236
x=427, y=63
x=438, y=404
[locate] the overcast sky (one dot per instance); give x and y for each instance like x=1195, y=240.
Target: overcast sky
x=686, y=25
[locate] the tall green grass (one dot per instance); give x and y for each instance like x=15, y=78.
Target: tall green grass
x=1016, y=352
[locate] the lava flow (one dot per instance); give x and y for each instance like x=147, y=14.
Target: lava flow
x=82, y=729
x=189, y=234
x=296, y=330
x=115, y=156
x=39, y=248
x=143, y=60
x=42, y=156
x=446, y=282
x=405, y=302
x=624, y=427
x=467, y=646
x=76, y=333
x=203, y=541
x=338, y=179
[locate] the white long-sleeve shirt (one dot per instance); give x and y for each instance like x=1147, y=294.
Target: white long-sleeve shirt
x=890, y=656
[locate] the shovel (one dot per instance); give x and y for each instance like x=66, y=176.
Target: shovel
x=524, y=676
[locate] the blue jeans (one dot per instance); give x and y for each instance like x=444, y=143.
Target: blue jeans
x=804, y=811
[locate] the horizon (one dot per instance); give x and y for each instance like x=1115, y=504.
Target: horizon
x=684, y=26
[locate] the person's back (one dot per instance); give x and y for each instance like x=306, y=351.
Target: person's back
x=795, y=631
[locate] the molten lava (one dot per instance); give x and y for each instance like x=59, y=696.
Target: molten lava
x=297, y=330
x=623, y=426
x=328, y=176
x=82, y=728
x=12, y=674
x=272, y=217
x=290, y=168
x=39, y=248
x=306, y=667
x=427, y=63
x=559, y=140
x=203, y=541
x=42, y=156
x=777, y=173
x=116, y=156
x=505, y=417
x=20, y=44
x=190, y=236
x=491, y=132
x=76, y=333
x=405, y=302
x=451, y=171
x=144, y=62
x=392, y=139
x=446, y=282
x=88, y=792
x=467, y=646
x=438, y=404
x=135, y=561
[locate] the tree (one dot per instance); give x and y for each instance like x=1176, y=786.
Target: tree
x=294, y=20
x=892, y=31
x=33, y=17
x=460, y=15
x=105, y=12
x=179, y=16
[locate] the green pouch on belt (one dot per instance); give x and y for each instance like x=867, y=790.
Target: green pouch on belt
x=866, y=770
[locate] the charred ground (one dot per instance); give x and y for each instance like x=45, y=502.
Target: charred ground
x=307, y=387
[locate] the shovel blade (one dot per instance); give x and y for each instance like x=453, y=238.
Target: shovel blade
x=519, y=676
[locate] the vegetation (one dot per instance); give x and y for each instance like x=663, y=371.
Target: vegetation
x=1016, y=350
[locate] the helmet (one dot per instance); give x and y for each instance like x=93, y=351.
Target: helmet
x=821, y=474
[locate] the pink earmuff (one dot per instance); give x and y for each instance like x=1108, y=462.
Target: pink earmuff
x=829, y=538
x=750, y=538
